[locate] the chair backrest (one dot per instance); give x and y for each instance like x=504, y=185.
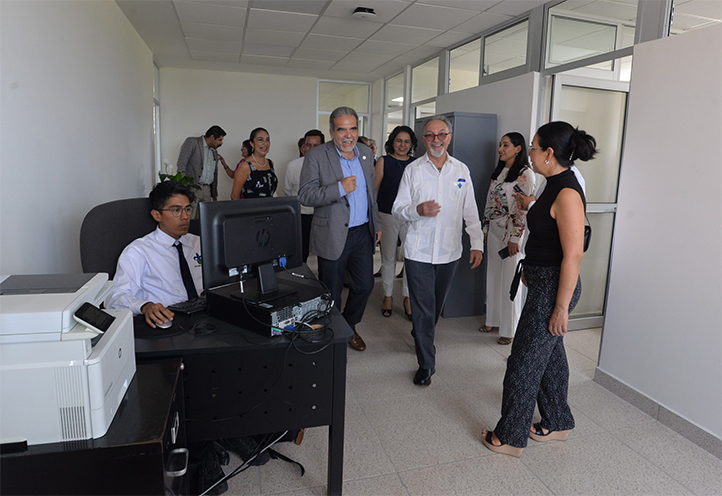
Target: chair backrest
x=108, y=228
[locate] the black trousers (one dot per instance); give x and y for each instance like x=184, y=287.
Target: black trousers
x=536, y=371
x=429, y=286
x=356, y=260
x=306, y=220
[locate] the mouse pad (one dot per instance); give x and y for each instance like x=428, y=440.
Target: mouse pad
x=181, y=324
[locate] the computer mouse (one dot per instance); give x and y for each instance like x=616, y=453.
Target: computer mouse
x=165, y=325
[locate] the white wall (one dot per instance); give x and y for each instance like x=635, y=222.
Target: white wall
x=193, y=100
x=663, y=330
x=76, y=125
x=512, y=100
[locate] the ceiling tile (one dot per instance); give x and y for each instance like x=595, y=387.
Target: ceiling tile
x=481, y=23
x=316, y=54
x=432, y=16
x=360, y=68
x=422, y=52
x=322, y=41
x=405, y=34
x=214, y=56
x=477, y=5
x=384, y=47
x=210, y=13
x=515, y=7
x=227, y=3
x=385, y=9
x=305, y=6
x=262, y=60
x=346, y=27
x=211, y=32
x=214, y=46
x=367, y=58
x=447, y=39
x=280, y=21
x=310, y=64
x=268, y=37
x=272, y=50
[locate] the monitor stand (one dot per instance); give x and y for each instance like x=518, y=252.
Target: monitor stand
x=267, y=289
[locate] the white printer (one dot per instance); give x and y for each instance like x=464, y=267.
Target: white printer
x=57, y=383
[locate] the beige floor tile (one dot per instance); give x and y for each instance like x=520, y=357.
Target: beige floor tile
x=246, y=482
x=684, y=461
x=364, y=456
x=604, y=408
x=425, y=429
x=598, y=464
x=585, y=342
x=491, y=474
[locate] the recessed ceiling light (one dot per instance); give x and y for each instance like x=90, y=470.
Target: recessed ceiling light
x=365, y=13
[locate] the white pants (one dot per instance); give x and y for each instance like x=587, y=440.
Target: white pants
x=391, y=230
x=501, y=312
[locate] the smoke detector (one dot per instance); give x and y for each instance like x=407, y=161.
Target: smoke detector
x=363, y=13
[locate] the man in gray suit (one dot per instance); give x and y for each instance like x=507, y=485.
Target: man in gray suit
x=337, y=179
x=199, y=159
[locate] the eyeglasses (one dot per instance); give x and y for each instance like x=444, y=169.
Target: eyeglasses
x=532, y=147
x=176, y=211
x=432, y=136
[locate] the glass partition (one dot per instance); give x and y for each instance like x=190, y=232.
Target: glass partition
x=395, y=92
x=579, y=30
x=425, y=80
x=464, y=66
x=506, y=49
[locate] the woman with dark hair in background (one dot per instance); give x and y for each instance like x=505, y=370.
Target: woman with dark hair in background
x=389, y=169
x=537, y=371
x=504, y=226
x=255, y=177
x=246, y=150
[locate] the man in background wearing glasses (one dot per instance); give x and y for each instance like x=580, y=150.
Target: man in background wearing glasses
x=150, y=273
x=435, y=198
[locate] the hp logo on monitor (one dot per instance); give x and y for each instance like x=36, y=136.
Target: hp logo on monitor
x=263, y=238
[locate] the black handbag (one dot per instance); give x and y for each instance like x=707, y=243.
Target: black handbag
x=587, y=233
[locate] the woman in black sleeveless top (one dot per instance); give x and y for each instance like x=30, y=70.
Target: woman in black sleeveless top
x=537, y=370
x=389, y=169
x=255, y=177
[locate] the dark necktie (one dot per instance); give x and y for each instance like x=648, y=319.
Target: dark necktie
x=186, y=273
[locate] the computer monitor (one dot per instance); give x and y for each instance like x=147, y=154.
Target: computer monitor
x=250, y=238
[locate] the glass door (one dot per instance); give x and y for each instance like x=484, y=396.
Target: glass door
x=598, y=107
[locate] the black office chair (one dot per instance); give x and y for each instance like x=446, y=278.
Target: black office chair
x=108, y=228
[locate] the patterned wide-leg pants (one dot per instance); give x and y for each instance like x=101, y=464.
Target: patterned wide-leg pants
x=536, y=371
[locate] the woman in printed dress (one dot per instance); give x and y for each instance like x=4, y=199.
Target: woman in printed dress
x=504, y=227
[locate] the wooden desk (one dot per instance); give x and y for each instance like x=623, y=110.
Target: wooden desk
x=132, y=458
x=239, y=383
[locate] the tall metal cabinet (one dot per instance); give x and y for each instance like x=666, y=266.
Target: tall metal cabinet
x=474, y=142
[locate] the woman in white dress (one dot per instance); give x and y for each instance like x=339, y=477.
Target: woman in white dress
x=504, y=225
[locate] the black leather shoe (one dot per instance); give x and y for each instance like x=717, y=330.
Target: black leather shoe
x=423, y=376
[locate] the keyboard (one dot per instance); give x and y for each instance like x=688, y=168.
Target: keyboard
x=190, y=306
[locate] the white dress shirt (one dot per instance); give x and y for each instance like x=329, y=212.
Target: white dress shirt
x=437, y=240
x=149, y=271
x=292, y=182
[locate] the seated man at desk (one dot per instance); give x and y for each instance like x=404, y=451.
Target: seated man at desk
x=163, y=267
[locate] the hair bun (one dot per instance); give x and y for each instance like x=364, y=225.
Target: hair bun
x=585, y=146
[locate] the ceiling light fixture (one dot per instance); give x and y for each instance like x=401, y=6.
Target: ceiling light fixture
x=364, y=13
